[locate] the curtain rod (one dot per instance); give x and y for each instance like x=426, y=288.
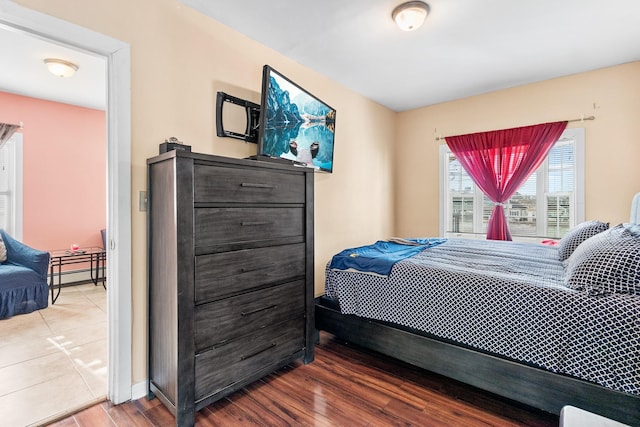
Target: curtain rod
x=581, y=119
x=20, y=125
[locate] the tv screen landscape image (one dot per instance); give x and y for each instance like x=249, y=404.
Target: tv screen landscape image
x=294, y=124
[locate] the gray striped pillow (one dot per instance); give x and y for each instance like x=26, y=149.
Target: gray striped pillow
x=577, y=235
x=607, y=263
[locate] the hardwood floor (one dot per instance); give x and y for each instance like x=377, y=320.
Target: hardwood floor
x=344, y=386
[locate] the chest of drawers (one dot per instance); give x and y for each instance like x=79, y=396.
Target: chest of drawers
x=230, y=275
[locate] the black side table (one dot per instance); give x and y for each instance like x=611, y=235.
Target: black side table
x=93, y=255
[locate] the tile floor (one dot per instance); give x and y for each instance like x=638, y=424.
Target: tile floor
x=54, y=361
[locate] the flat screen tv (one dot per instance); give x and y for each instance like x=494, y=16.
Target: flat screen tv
x=294, y=124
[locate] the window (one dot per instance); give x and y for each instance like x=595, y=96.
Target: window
x=547, y=205
x=11, y=186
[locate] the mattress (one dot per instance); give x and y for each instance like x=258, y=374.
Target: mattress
x=506, y=299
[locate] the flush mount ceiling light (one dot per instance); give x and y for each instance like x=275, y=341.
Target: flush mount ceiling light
x=410, y=15
x=60, y=67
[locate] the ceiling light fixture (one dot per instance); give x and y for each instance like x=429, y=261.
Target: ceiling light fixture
x=60, y=67
x=410, y=15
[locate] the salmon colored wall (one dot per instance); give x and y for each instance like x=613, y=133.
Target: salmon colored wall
x=64, y=171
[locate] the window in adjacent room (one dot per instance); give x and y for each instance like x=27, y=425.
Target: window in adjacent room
x=11, y=186
x=547, y=205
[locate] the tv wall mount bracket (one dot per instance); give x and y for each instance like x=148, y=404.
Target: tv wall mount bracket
x=253, y=118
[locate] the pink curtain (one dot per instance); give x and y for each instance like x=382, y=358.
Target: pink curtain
x=499, y=162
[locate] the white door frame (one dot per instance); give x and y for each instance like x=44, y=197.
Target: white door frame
x=117, y=55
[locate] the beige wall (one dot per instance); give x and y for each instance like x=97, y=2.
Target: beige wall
x=612, y=146
x=179, y=60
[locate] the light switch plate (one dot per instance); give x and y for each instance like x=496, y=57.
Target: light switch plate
x=143, y=201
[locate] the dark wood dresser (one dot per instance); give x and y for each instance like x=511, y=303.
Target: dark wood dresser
x=231, y=295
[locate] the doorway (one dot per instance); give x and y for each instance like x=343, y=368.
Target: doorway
x=117, y=56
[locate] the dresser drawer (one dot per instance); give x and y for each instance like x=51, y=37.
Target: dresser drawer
x=216, y=226
x=221, y=184
x=221, y=274
x=223, y=320
x=242, y=358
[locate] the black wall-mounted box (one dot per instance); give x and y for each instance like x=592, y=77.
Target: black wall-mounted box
x=168, y=146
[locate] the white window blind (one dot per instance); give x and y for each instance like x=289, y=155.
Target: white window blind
x=11, y=186
x=547, y=205
x=5, y=191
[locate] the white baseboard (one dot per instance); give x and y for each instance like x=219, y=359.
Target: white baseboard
x=74, y=276
x=139, y=390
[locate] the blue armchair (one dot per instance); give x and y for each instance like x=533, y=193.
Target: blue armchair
x=23, y=278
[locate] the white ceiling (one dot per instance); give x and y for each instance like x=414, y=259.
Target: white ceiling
x=23, y=72
x=466, y=47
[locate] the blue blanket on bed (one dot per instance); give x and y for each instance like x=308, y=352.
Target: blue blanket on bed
x=380, y=257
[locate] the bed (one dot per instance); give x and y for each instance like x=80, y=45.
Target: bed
x=546, y=326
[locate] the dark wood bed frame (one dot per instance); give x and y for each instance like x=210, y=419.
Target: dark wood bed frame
x=525, y=384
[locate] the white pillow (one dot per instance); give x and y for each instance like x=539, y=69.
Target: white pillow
x=3, y=250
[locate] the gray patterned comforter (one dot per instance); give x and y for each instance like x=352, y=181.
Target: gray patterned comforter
x=504, y=298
